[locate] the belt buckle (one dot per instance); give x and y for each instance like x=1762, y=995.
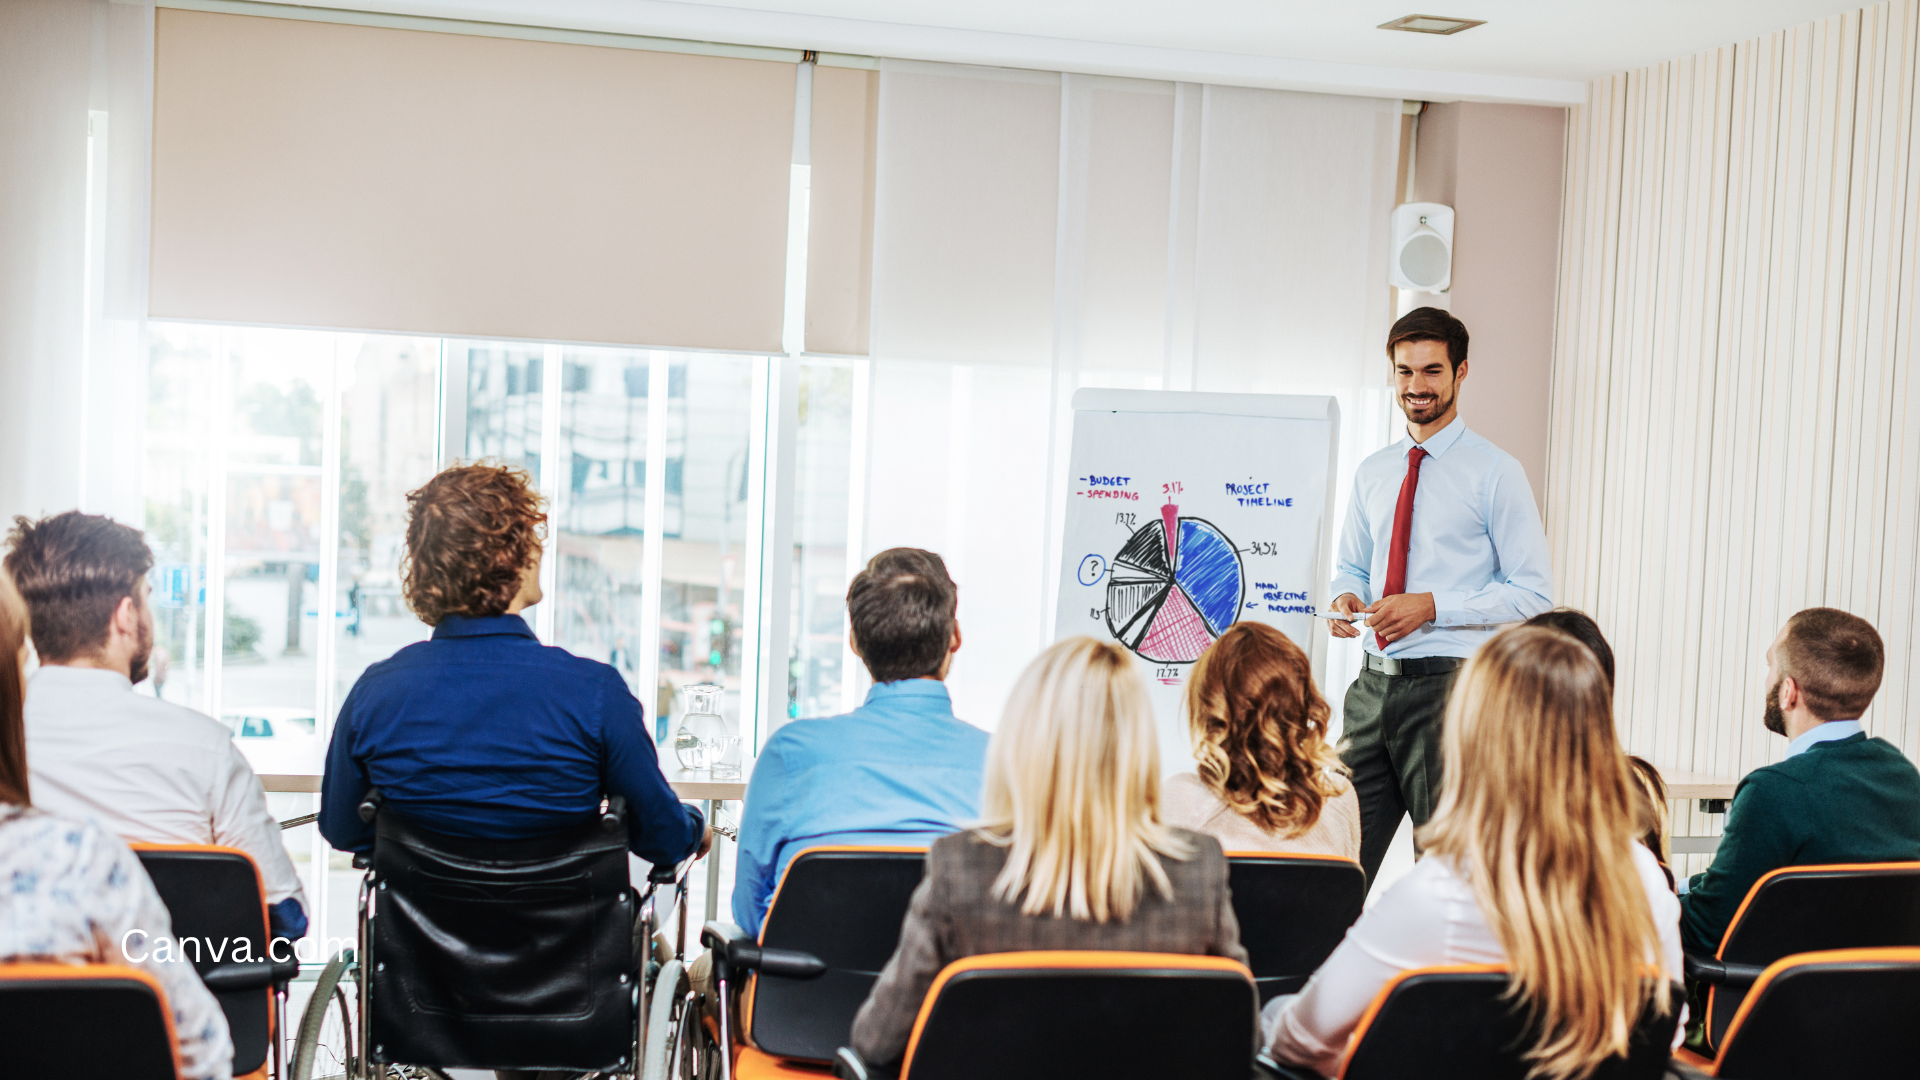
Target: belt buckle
x=1385, y=665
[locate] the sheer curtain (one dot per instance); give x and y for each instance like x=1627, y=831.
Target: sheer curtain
x=1037, y=233
x=75, y=134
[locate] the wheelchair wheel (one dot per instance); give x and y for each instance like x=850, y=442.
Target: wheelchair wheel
x=325, y=1048
x=669, y=984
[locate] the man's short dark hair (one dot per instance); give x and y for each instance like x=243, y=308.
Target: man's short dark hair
x=73, y=569
x=1431, y=324
x=1836, y=659
x=1579, y=626
x=901, y=609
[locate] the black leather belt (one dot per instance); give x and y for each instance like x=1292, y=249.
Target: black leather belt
x=1424, y=665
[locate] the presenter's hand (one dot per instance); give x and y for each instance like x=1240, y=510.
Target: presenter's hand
x=1347, y=604
x=1396, y=616
x=706, y=843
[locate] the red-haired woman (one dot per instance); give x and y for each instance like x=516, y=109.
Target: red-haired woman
x=482, y=731
x=1267, y=780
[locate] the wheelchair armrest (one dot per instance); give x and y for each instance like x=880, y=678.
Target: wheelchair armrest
x=231, y=975
x=1717, y=972
x=731, y=946
x=1265, y=1068
x=849, y=1065
x=663, y=874
x=363, y=860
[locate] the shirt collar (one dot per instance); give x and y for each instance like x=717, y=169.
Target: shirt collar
x=925, y=688
x=454, y=626
x=1440, y=441
x=89, y=677
x=1827, y=732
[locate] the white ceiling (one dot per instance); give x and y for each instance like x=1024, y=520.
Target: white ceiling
x=1529, y=50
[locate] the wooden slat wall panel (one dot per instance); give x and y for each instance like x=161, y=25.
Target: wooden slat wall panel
x=1733, y=432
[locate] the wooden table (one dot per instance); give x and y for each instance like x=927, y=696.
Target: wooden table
x=690, y=784
x=1708, y=789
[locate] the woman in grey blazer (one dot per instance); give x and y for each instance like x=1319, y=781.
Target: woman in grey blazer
x=1072, y=852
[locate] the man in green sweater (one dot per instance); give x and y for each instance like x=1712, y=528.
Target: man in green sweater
x=1837, y=797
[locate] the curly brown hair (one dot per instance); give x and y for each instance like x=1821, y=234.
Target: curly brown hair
x=1259, y=729
x=471, y=532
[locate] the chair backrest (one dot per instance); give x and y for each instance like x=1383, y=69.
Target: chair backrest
x=85, y=1022
x=1458, y=1021
x=501, y=954
x=1841, y=1013
x=1801, y=909
x=1072, y=1015
x=844, y=905
x=216, y=901
x=1293, y=910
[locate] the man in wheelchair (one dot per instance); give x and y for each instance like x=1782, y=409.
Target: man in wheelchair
x=510, y=774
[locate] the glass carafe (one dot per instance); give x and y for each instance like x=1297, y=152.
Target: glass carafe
x=706, y=740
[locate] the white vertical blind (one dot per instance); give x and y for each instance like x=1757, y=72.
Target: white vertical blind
x=1732, y=435
x=1034, y=234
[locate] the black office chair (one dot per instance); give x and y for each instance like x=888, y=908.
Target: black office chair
x=840, y=906
x=1456, y=1021
x=1804, y=909
x=85, y=1022
x=492, y=954
x=1081, y=1016
x=1825, y=1016
x=1293, y=910
x=215, y=898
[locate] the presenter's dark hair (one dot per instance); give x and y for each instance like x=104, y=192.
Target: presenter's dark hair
x=73, y=569
x=1836, y=658
x=1431, y=324
x=471, y=531
x=901, y=610
x=1580, y=627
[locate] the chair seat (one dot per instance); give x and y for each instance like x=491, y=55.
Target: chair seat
x=755, y=1064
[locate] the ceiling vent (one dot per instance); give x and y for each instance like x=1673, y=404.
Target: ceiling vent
x=1432, y=24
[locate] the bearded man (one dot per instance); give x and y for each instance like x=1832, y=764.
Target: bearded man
x=152, y=771
x=1838, y=796
x=1442, y=546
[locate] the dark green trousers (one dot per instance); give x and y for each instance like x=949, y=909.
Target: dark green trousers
x=1391, y=743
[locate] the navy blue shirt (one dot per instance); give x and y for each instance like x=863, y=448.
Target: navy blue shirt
x=484, y=732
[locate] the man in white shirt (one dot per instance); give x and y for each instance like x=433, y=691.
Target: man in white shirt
x=151, y=771
x=1442, y=547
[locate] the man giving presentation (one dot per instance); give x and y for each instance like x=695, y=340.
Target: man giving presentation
x=1442, y=546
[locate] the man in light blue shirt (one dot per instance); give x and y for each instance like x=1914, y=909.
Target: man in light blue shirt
x=1442, y=546
x=898, y=770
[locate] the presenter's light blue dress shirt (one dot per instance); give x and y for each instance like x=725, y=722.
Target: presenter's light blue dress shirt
x=898, y=770
x=1477, y=544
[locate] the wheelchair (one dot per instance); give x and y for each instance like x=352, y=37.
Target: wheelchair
x=504, y=955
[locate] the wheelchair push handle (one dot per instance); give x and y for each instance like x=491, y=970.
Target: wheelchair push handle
x=613, y=813
x=369, y=806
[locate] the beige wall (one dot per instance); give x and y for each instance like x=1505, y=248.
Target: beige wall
x=1500, y=168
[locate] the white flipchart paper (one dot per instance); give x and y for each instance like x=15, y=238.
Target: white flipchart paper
x=1248, y=478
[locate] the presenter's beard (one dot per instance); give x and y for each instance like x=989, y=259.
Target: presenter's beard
x=137, y=673
x=1775, y=720
x=1426, y=414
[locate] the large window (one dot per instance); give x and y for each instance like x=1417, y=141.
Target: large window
x=278, y=465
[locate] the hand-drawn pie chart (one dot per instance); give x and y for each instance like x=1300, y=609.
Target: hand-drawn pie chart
x=1175, y=587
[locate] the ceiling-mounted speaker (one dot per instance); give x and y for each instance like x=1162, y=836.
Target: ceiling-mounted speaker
x=1422, y=247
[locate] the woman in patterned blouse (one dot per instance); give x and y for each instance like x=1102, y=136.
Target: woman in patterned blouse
x=75, y=894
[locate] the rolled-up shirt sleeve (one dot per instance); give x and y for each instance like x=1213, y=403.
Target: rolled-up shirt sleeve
x=1522, y=587
x=664, y=830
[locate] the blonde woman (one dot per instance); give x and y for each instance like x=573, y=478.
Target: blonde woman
x=1267, y=780
x=1072, y=852
x=1531, y=861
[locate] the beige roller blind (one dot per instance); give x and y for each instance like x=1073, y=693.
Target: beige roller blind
x=347, y=176
x=846, y=134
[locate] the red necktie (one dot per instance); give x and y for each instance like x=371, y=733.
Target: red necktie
x=1402, y=533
